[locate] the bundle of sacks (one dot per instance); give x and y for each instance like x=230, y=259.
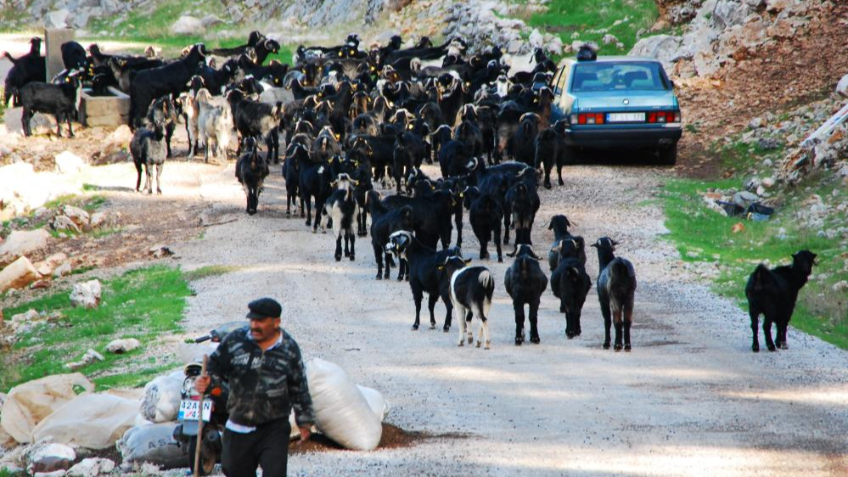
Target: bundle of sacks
x=45, y=421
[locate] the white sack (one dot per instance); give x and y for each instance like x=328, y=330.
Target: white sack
x=379, y=406
x=154, y=444
x=92, y=421
x=161, y=401
x=341, y=411
x=29, y=403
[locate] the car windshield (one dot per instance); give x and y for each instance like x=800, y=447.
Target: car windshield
x=612, y=76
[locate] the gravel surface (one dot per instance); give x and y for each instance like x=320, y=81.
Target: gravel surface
x=690, y=399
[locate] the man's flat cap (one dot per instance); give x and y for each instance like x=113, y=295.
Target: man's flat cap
x=264, y=308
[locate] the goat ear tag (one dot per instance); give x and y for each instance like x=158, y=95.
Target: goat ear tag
x=440, y=267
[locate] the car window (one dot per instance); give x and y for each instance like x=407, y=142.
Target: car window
x=612, y=76
x=561, y=80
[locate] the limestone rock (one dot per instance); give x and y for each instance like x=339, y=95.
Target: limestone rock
x=45, y=458
x=21, y=242
x=62, y=270
x=77, y=215
x=92, y=467
x=69, y=163
x=18, y=274
x=63, y=222
x=842, y=86
x=56, y=19
x=123, y=346
x=188, y=25
x=86, y=294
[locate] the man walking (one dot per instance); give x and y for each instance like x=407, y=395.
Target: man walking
x=264, y=369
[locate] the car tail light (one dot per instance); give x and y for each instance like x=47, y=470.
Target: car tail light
x=590, y=118
x=664, y=117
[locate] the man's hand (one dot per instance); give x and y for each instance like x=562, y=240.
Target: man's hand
x=304, y=433
x=201, y=384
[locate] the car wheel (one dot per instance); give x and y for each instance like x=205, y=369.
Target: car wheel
x=668, y=155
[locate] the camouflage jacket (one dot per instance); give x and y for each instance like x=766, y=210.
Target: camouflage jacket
x=264, y=385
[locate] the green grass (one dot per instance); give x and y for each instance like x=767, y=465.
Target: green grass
x=565, y=17
x=7, y=473
x=209, y=271
x=700, y=231
x=154, y=28
x=141, y=304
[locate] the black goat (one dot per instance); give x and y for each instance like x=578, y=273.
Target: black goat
x=167, y=79
x=616, y=287
x=253, y=39
x=551, y=149
x=409, y=152
x=251, y=171
x=255, y=119
x=163, y=112
x=432, y=216
x=570, y=283
x=774, y=294
x=62, y=101
x=471, y=290
x=384, y=223
x=148, y=150
x=29, y=68
x=425, y=274
x=523, y=202
x=297, y=154
x=525, y=283
x=523, y=142
x=314, y=181
x=565, y=245
x=343, y=210
x=485, y=214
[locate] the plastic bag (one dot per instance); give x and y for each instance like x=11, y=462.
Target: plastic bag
x=93, y=421
x=154, y=444
x=31, y=402
x=161, y=401
x=341, y=411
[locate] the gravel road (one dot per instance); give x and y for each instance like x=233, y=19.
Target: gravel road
x=689, y=400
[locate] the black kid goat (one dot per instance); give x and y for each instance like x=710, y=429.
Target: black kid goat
x=525, y=283
x=774, y=294
x=251, y=171
x=616, y=287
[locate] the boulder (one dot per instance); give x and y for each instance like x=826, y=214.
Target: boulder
x=662, y=47
x=18, y=274
x=77, y=215
x=123, y=346
x=63, y=222
x=56, y=19
x=89, y=357
x=728, y=13
x=188, y=25
x=121, y=135
x=86, y=294
x=104, y=220
x=91, y=467
x=842, y=86
x=68, y=163
x=49, y=457
x=62, y=270
x=20, y=243
x=29, y=403
x=29, y=315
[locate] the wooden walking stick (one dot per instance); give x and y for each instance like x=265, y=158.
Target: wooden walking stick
x=200, y=423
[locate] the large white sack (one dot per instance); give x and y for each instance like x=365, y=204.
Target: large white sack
x=341, y=411
x=93, y=421
x=161, y=401
x=29, y=403
x=378, y=404
x=154, y=444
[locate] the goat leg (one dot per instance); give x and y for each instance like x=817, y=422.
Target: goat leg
x=431, y=305
x=767, y=332
x=781, y=335
x=755, y=329
x=352, y=237
x=338, y=254
x=616, y=319
x=628, y=320
x=70, y=127
x=605, y=311
x=378, y=257
x=534, y=330
x=519, y=322
x=417, y=296
x=159, y=178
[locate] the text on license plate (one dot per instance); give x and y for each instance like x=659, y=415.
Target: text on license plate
x=626, y=117
x=189, y=410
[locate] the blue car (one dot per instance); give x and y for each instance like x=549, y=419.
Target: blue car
x=618, y=102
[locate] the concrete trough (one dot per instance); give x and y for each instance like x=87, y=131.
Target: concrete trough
x=108, y=111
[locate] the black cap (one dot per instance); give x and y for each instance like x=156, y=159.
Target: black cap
x=264, y=308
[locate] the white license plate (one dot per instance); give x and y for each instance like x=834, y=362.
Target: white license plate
x=626, y=117
x=189, y=410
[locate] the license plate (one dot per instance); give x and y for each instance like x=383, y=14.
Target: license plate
x=626, y=117
x=189, y=410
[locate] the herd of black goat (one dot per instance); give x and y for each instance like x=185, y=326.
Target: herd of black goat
x=349, y=118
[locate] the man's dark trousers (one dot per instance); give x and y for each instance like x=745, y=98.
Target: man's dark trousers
x=267, y=446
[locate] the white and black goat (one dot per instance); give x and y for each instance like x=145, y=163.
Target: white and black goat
x=616, y=289
x=525, y=282
x=471, y=290
x=343, y=211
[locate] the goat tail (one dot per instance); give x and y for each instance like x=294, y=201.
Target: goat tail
x=487, y=281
